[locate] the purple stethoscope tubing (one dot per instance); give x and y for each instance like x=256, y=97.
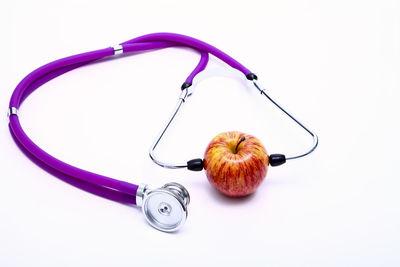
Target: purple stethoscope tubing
x=110, y=188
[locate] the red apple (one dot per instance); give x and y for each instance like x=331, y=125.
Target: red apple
x=236, y=163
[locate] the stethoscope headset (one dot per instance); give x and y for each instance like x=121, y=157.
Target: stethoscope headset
x=165, y=208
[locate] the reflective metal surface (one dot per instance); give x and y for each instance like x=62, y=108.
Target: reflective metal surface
x=140, y=194
x=165, y=208
x=314, y=136
x=12, y=111
x=118, y=49
x=182, y=98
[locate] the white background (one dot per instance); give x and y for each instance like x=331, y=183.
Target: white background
x=334, y=64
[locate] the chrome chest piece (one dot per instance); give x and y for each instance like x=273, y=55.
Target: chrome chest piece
x=165, y=208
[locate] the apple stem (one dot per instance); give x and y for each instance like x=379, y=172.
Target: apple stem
x=241, y=140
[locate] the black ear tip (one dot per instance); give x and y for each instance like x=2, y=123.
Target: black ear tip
x=195, y=165
x=185, y=85
x=277, y=159
x=251, y=76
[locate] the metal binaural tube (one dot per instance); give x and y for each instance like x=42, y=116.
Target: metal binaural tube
x=314, y=136
x=181, y=101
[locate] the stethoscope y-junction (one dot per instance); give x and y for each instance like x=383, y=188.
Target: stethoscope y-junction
x=235, y=162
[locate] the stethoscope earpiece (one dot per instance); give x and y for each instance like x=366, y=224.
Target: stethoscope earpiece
x=164, y=208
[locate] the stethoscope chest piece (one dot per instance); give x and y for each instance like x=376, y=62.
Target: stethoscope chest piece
x=165, y=208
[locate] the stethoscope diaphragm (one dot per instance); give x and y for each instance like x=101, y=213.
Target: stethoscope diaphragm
x=165, y=208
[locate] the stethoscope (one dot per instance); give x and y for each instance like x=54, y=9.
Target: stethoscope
x=165, y=208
